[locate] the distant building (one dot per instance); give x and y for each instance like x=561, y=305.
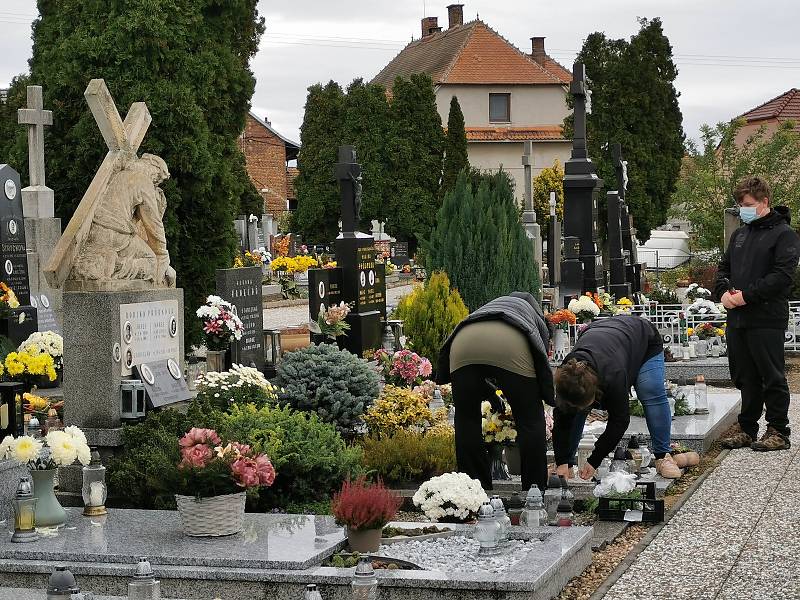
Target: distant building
x=771, y=114
x=506, y=95
x=267, y=155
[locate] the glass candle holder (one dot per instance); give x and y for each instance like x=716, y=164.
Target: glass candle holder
x=94, y=488
x=24, y=513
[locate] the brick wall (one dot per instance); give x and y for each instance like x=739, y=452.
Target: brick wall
x=265, y=155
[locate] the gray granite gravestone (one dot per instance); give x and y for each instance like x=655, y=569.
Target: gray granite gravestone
x=242, y=288
x=48, y=319
x=164, y=383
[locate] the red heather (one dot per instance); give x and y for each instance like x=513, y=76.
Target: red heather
x=361, y=505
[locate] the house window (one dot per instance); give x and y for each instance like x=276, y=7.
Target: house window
x=291, y=204
x=499, y=108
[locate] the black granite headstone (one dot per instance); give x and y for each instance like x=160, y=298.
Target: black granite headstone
x=618, y=286
x=13, y=252
x=399, y=254
x=242, y=288
x=164, y=383
x=324, y=288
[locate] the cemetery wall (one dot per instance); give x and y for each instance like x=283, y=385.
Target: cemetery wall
x=265, y=156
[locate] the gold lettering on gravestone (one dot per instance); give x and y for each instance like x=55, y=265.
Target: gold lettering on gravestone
x=146, y=331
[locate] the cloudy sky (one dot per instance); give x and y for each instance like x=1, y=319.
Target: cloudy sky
x=731, y=55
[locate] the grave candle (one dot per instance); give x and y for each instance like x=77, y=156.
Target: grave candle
x=365, y=584
x=700, y=396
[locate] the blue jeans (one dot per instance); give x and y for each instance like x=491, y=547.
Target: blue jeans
x=649, y=388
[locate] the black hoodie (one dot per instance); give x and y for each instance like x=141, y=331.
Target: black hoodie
x=760, y=261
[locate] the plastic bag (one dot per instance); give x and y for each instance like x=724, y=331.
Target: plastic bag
x=616, y=481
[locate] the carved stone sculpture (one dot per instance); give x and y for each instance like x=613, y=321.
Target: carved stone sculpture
x=115, y=240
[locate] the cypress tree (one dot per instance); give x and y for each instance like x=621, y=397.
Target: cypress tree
x=189, y=61
x=455, y=148
x=318, y=213
x=479, y=241
x=415, y=159
x=366, y=126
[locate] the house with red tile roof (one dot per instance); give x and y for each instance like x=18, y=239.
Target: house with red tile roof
x=771, y=114
x=507, y=96
x=267, y=155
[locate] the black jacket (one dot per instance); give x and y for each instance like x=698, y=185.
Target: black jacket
x=519, y=310
x=760, y=261
x=616, y=348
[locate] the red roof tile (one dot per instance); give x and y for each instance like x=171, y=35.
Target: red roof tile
x=513, y=134
x=784, y=107
x=472, y=53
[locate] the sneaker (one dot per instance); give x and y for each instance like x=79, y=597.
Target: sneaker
x=772, y=440
x=667, y=468
x=737, y=439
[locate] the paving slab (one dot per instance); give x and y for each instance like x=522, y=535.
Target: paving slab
x=736, y=538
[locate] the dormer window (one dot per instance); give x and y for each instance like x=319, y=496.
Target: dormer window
x=499, y=108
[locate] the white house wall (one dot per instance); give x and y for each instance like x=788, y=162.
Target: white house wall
x=530, y=104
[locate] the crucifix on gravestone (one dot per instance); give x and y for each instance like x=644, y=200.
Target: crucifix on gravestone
x=532, y=228
x=632, y=268
x=37, y=198
x=348, y=174
x=581, y=185
x=618, y=286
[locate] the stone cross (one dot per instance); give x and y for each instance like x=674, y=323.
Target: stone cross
x=619, y=287
x=348, y=173
x=554, y=245
x=620, y=170
x=580, y=94
x=37, y=199
x=123, y=139
x=532, y=228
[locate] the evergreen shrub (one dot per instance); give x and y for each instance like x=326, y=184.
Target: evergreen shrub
x=333, y=383
x=410, y=456
x=429, y=314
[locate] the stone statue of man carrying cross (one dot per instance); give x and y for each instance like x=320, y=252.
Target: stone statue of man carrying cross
x=115, y=241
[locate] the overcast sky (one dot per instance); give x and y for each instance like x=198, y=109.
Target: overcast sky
x=732, y=54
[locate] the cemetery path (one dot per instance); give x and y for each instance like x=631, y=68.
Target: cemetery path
x=736, y=538
x=291, y=316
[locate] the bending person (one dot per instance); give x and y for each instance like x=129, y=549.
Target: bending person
x=610, y=356
x=504, y=341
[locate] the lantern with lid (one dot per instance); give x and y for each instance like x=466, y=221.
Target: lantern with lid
x=397, y=332
x=552, y=496
x=11, y=417
x=94, y=489
x=272, y=351
x=365, y=584
x=62, y=585
x=487, y=531
x=24, y=513
x=144, y=585
x=700, y=396
x=132, y=399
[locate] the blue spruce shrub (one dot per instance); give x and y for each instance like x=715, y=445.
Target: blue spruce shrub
x=335, y=384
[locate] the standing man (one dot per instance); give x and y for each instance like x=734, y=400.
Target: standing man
x=753, y=283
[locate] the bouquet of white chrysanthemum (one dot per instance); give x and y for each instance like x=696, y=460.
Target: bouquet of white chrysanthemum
x=584, y=308
x=696, y=291
x=452, y=497
x=701, y=306
x=221, y=324
x=57, y=449
x=240, y=385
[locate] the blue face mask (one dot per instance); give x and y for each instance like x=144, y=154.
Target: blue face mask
x=748, y=214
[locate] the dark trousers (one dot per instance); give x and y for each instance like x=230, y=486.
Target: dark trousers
x=469, y=390
x=756, y=358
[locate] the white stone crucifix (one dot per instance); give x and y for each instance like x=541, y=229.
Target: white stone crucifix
x=125, y=182
x=37, y=198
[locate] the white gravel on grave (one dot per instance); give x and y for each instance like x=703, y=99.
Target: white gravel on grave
x=459, y=554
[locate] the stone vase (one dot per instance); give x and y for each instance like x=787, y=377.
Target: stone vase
x=560, y=344
x=49, y=513
x=498, y=466
x=364, y=540
x=215, y=360
x=512, y=458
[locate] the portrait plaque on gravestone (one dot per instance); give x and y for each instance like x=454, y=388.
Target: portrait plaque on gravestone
x=164, y=382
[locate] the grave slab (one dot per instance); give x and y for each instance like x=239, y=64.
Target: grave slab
x=713, y=369
x=266, y=560
x=697, y=432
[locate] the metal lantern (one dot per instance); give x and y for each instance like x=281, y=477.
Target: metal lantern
x=62, y=584
x=365, y=584
x=94, y=489
x=132, y=399
x=24, y=513
x=487, y=530
x=397, y=330
x=144, y=585
x=272, y=351
x=11, y=417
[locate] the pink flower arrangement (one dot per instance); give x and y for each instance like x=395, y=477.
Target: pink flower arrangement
x=221, y=325
x=208, y=468
x=404, y=368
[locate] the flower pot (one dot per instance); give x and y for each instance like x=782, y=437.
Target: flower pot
x=49, y=513
x=560, y=344
x=499, y=468
x=512, y=458
x=215, y=360
x=211, y=517
x=43, y=382
x=364, y=540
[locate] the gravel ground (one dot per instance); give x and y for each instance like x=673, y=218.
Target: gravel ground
x=291, y=316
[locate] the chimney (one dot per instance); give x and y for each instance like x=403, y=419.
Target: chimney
x=455, y=14
x=537, y=49
x=428, y=25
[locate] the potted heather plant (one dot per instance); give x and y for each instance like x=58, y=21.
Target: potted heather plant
x=211, y=482
x=364, y=508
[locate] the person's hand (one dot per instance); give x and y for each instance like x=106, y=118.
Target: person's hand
x=587, y=472
x=727, y=301
x=738, y=299
x=563, y=471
